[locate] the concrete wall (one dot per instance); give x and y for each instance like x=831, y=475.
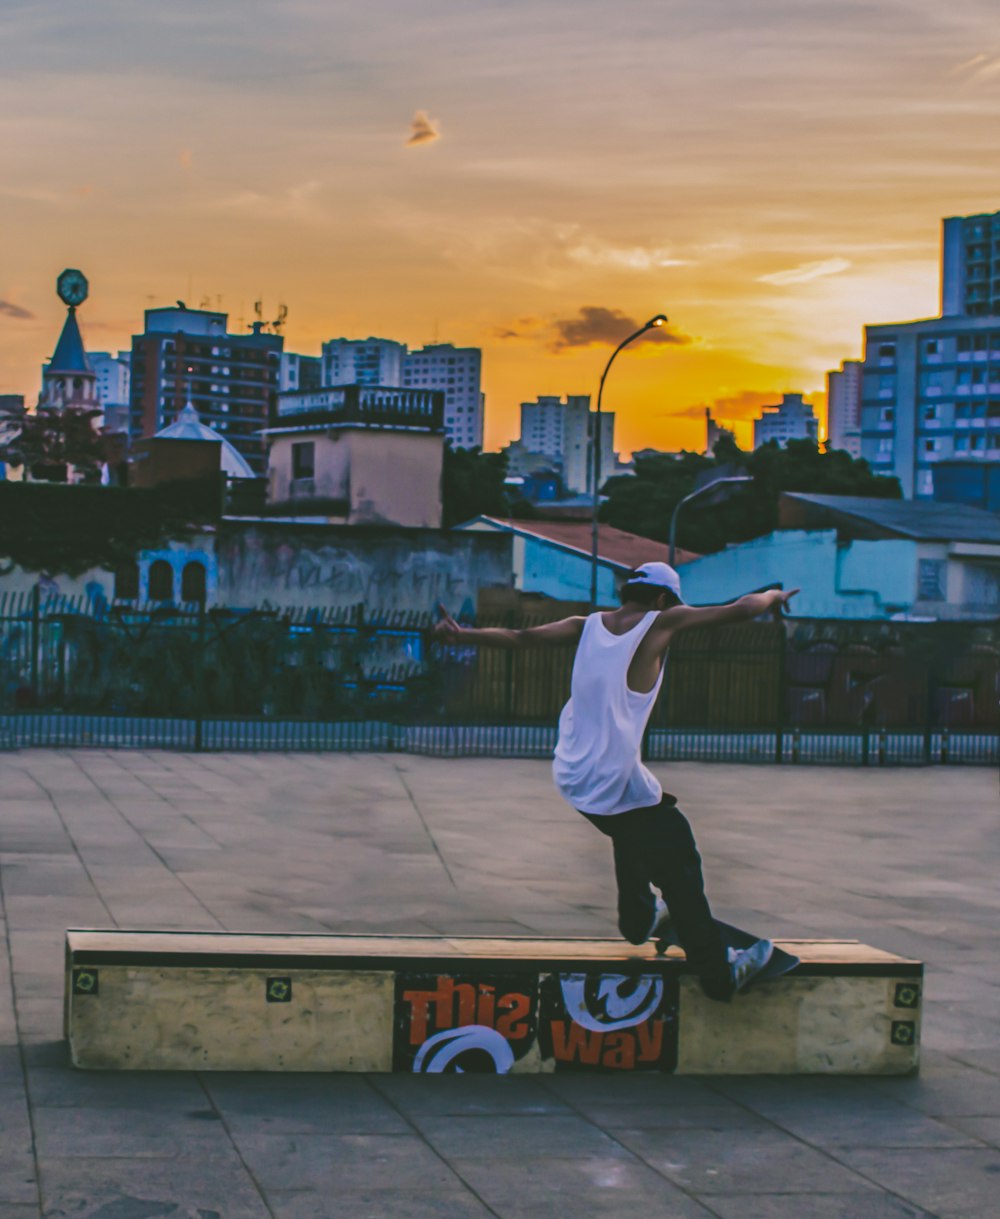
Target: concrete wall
x=859, y=580
x=543, y=568
x=396, y=478
x=339, y=566
x=328, y=566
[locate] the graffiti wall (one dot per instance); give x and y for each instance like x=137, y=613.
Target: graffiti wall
x=450, y=1024
x=342, y=566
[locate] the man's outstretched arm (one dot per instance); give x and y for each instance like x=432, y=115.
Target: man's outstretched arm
x=567, y=630
x=743, y=609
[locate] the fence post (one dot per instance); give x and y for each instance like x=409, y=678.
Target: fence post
x=200, y=687
x=36, y=640
x=779, y=727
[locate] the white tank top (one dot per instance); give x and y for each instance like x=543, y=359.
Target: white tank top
x=598, y=765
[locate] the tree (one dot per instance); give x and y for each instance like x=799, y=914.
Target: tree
x=644, y=503
x=49, y=441
x=473, y=485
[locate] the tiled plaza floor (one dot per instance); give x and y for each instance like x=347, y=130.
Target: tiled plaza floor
x=908, y=860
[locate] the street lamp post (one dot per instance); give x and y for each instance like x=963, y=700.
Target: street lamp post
x=716, y=482
x=653, y=324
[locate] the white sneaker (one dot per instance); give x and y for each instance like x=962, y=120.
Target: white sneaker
x=745, y=965
x=661, y=916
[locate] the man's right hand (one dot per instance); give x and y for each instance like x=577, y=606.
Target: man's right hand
x=447, y=628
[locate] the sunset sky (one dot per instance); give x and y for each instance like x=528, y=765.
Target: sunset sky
x=769, y=173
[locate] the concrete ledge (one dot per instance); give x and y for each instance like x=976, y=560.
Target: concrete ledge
x=149, y=1000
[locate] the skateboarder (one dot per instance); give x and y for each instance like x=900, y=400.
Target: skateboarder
x=617, y=672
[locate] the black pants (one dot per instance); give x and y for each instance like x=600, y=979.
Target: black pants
x=655, y=846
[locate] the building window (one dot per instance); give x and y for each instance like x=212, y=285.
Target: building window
x=887, y=351
x=930, y=579
x=303, y=459
x=193, y=582
x=161, y=581
x=127, y=582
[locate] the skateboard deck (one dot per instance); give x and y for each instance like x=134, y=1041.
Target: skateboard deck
x=735, y=937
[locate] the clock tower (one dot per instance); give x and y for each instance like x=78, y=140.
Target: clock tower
x=68, y=381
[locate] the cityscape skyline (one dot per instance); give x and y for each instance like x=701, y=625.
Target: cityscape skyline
x=767, y=179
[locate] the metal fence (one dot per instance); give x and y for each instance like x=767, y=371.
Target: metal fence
x=76, y=673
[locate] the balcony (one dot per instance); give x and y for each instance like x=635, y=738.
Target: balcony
x=364, y=405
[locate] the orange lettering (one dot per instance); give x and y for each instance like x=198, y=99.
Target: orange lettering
x=570, y=1042
x=512, y=1025
x=486, y=1012
x=420, y=1002
x=619, y=1051
x=650, y=1040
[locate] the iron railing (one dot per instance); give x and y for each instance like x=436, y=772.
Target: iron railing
x=77, y=671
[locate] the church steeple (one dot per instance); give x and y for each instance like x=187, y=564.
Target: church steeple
x=68, y=381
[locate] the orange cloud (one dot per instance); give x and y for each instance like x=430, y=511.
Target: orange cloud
x=423, y=130
x=9, y=309
x=597, y=325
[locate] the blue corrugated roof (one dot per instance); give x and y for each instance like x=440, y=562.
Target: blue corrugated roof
x=69, y=355
x=925, y=520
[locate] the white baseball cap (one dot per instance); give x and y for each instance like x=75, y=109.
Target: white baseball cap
x=660, y=575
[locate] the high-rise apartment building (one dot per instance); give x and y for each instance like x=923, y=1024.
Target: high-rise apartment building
x=299, y=372
x=843, y=398
x=930, y=393
x=790, y=419
x=113, y=374
x=457, y=372
x=368, y=361
x=562, y=431
x=970, y=265
x=231, y=379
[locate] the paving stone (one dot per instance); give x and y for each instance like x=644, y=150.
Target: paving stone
x=284, y=842
x=352, y=1162
x=195, y=1187
x=522, y=1136
x=709, y=1161
x=581, y=1186
x=952, y=1183
x=817, y=1206
x=396, y=1203
x=90, y=1133
x=438, y=1095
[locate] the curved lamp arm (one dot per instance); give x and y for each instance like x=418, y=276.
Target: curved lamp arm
x=654, y=323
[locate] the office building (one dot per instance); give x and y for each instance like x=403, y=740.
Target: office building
x=790, y=419
x=299, y=372
x=970, y=266
x=457, y=373
x=368, y=361
x=562, y=431
x=930, y=393
x=188, y=355
x=843, y=397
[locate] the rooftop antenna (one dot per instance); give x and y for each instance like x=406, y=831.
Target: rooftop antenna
x=279, y=321
x=258, y=308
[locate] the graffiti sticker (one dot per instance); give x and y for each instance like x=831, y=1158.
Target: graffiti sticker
x=610, y=1021
x=453, y=1025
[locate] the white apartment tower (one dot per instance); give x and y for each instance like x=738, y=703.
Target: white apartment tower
x=790, y=419
x=843, y=396
x=368, y=361
x=457, y=372
x=562, y=431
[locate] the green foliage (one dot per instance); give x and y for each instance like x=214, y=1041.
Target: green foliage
x=644, y=503
x=56, y=528
x=473, y=485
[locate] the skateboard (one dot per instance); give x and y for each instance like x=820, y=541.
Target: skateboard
x=735, y=937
